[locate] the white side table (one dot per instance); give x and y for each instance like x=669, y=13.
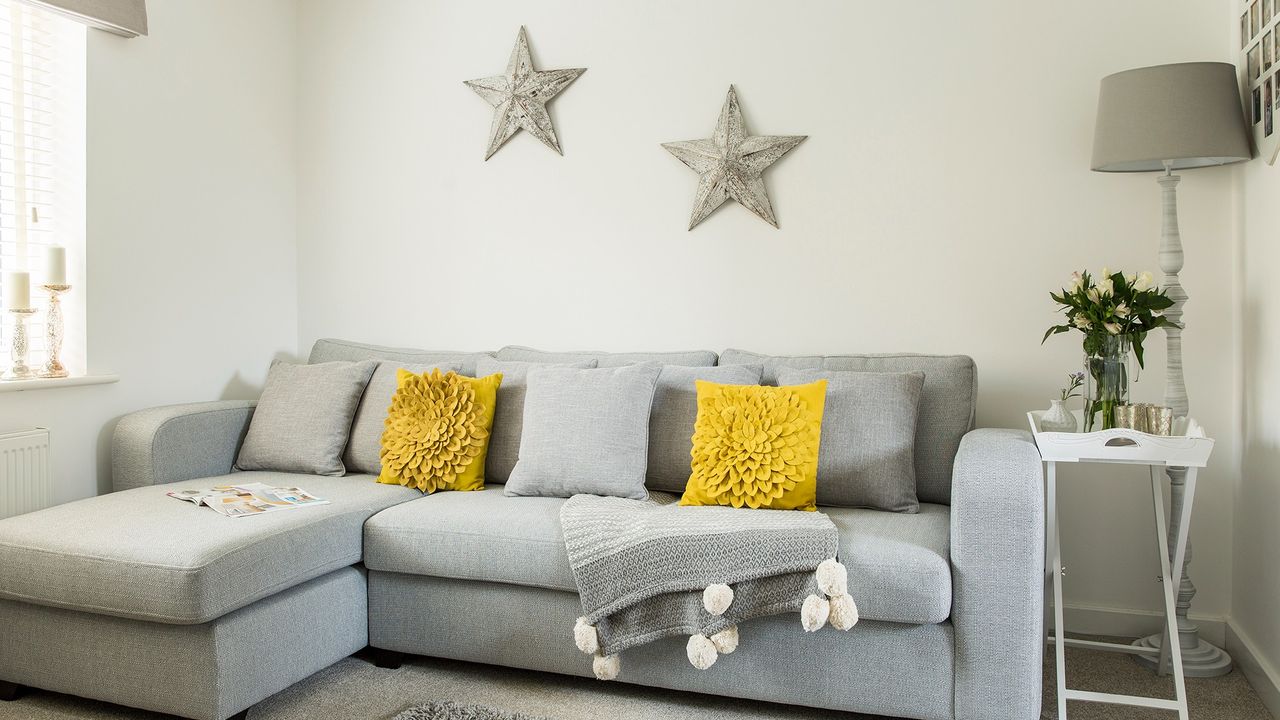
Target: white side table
x=1119, y=446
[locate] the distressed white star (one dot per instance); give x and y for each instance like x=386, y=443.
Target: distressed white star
x=520, y=97
x=731, y=162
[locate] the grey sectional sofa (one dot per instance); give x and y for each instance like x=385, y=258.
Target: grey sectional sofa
x=137, y=599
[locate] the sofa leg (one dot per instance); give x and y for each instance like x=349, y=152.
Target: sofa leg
x=389, y=659
x=9, y=691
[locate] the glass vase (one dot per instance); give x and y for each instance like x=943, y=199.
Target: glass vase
x=1106, y=380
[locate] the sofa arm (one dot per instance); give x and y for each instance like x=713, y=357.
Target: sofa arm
x=178, y=442
x=997, y=575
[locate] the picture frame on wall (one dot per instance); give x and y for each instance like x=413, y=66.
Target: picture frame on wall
x=1244, y=30
x=1257, y=105
x=1266, y=12
x=1268, y=114
x=1267, y=49
x=1255, y=18
x=1255, y=62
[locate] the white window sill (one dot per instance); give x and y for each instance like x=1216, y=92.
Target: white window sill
x=51, y=383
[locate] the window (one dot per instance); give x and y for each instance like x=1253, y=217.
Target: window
x=42, y=101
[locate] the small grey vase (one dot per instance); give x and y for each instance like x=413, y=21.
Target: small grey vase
x=1058, y=419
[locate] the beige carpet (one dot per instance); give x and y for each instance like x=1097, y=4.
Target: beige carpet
x=354, y=688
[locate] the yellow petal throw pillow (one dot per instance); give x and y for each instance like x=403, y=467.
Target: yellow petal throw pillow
x=756, y=446
x=437, y=431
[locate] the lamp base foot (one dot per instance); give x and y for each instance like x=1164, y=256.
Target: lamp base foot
x=1204, y=660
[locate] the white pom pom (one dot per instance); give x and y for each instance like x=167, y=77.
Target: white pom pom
x=814, y=612
x=726, y=641
x=701, y=651
x=606, y=667
x=586, y=637
x=833, y=579
x=844, y=613
x=717, y=598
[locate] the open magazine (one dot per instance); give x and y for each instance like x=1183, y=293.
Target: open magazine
x=249, y=499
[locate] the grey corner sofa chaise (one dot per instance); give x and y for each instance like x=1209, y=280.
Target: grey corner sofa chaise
x=137, y=599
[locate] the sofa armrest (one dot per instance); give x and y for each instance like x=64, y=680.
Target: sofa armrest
x=997, y=575
x=178, y=442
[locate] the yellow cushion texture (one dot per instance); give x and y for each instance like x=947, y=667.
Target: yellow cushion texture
x=437, y=431
x=756, y=446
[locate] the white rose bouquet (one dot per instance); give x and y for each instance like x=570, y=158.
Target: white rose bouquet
x=1114, y=304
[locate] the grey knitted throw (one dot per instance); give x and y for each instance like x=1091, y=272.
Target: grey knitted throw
x=643, y=569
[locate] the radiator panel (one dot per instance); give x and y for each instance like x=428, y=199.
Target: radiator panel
x=25, y=479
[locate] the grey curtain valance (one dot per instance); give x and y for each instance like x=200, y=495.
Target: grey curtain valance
x=122, y=17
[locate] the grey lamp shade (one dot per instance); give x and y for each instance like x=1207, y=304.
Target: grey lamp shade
x=1188, y=114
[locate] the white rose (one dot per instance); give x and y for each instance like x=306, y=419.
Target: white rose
x=1122, y=310
x=1143, y=282
x=1076, y=281
x=1082, y=322
x=1093, y=295
x=1112, y=328
x=1105, y=287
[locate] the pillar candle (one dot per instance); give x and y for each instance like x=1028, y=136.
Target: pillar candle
x=55, y=265
x=17, y=290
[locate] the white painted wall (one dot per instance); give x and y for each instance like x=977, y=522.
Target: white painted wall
x=190, y=225
x=943, y=191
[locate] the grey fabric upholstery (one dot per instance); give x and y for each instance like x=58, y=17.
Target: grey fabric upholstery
x=675, y=409
x=508, y=416
x=867, y=457
x=178, y=442
x=303, y=419
x=997, y=555
x=875, y=668
x=209, y=671
x=585, y=431
x=898, y=569
x=947, y=404
x=141, y=554
x=329, y=349
x=692, y=358
x=364, y=448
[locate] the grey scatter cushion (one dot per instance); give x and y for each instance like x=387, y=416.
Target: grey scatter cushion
x=867, y=453
x=585, y=431
x=675, y=409
x=304, y=416
x=364, y=449
x=508, y=416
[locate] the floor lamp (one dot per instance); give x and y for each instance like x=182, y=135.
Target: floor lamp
x=1166, y=118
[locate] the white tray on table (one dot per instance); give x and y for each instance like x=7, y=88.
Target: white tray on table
x=1120, y=445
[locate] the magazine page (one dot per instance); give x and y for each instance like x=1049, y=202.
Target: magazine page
x=249, y=499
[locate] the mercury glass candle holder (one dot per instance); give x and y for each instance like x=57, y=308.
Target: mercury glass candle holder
x=54, y=332
x=20, y=346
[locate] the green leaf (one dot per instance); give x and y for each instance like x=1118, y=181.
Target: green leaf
x=1055, y=330
x=1137, y=348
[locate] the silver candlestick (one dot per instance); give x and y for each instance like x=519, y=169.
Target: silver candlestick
x=54, y=332
x=21, y=345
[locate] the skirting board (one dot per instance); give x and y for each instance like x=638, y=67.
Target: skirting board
x=1127, y=622
x=1261, y=675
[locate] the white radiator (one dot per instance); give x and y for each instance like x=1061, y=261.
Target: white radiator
x=24, y=472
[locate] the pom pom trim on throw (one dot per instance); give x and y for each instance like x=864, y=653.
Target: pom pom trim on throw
x=833, y=578
x=814, y=613
x=726, y=641
x=717, y=598
x=701, y=651
x=844, y=612
x=586, y=637
x=606, y=667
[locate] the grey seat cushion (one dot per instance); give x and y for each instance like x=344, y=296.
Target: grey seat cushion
x=898, y=564
x=364, y=449
x=327, y=349
x=947, y=403
x=141, y=554
x=691, y=358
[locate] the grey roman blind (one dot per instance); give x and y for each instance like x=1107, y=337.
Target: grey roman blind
x=122, y=17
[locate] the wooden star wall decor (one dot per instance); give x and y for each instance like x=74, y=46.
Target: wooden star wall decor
x=519, y=97
x=730, y=164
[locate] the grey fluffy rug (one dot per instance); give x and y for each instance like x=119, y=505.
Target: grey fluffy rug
x=453, y=711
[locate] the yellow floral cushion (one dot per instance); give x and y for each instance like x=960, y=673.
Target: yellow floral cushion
x=437, y=431
x=756, y=446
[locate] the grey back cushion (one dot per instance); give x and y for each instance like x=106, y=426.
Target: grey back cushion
x=585, y=431
x=303, y=418
x=690, y=358
x=867, y=456
x=508, y=416
x=364, y=449
x=947, y=403
x=675, y=410
x=328, y=349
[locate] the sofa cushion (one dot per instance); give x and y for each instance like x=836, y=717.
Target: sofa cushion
x=689, y=358
x=141, y=554
x=364, y=449
x=898, y=564
x=327, y=349
x=947, y=403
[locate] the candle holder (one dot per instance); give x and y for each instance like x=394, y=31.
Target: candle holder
x=21, y=345
x=54, y=332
